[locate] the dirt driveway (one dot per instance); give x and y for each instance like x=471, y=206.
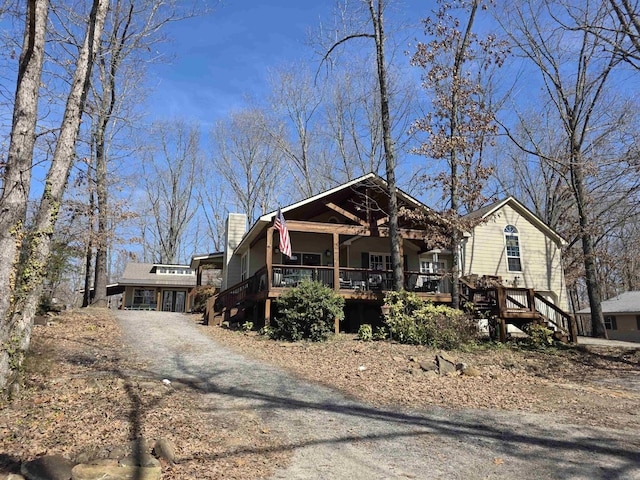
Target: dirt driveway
x=332, y=437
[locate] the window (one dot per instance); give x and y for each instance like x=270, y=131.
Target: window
x=610, y=322
x=379, y=261
x=431, y=267
x=513, y=248
x=144, y=296
x=308, y=259
x=244, y=265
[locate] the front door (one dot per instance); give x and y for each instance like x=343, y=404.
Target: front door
x=167, y=300
x=173, y=301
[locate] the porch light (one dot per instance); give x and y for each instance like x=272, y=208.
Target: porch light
x=385, y=309
x=327, y=253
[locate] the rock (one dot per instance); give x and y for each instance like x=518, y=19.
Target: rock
x=413, y=359
x=461, y=366
x=431, y=374
x=445, y=363
x=428, y=366
x=471, y=372
x=14, y=476
x=165, y=449
x=144, y=460
x=101, y=472
x=110, y=462
x=118, y=451
x=87, y=455
x=49, y=467
x=398, y=359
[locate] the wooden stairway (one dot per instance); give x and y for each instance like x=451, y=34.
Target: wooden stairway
x=519, y=307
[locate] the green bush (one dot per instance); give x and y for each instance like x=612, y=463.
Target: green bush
x=247, y=326
x=380, y=333
x=539, y=336
x=415, y=321
x=365, y=333
x=307, y=311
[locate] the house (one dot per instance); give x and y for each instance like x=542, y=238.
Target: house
x=153, y=286
x=621, y=316
x=341, y=238
x=511, y=242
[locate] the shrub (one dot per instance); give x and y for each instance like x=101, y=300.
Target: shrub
x=539, y=336
x=414, y=321
x=307, y=311
x=247, y=326
x=365, y=333
x=203, y=293
x=380, y=333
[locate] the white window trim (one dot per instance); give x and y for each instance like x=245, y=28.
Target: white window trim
x=506, y=251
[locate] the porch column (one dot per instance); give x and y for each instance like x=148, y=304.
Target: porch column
x=269, y=258
x=267, y=312
x=336, y=261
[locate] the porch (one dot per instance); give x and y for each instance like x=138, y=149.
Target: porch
x=361, y=284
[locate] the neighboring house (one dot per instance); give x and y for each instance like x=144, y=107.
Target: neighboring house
x=340, y=238
x=621, y=316
x=152, y=286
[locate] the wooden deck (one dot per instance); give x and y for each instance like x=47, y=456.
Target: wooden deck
x=515, y=306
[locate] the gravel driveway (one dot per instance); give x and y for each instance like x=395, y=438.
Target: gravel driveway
x=333, y=437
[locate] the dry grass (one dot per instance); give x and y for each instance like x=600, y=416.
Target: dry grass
x=594, y=386
x=84, y=391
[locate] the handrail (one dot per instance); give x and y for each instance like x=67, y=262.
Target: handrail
x=572, y=330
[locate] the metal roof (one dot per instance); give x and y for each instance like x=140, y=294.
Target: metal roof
x=144, y=274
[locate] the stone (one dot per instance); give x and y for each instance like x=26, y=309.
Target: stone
x=48, y=467
x=431, y=374
x=165, y=449
x=471, y=372
x=14, y=476
x=112, y=462
x=428, y=366
x=460, y=366
x=145, y=460
x=101, y=472
x=118, y=452
x=398, y=359
x=445, y=364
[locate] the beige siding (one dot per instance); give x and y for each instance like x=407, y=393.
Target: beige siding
x=627, y=328
x=485, y=254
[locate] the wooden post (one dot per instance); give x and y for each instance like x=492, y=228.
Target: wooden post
x=267, y=312
x=531, y=294
x=269, y=258
x=573, y=326
x=336, y=261
x=336, y=325
x=503, y=330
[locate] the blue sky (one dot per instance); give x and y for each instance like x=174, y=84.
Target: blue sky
x=221, y=58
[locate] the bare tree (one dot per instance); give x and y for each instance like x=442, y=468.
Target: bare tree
x=372, y=17
x=461, y=120
x=170, y=166
x=249, y=158
x=16, y=178
x=553, y=43
x=19, y=320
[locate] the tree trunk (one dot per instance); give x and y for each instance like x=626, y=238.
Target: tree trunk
x=86, y=297
x=394, y=239
x=17, y=178
x=56, y=180
x=590, y=269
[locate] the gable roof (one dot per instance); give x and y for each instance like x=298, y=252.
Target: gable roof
x=627, y=302
x=490, y=209
x=373, y=178
x=144, y=274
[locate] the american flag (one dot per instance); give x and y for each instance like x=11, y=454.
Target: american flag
x=285, y=241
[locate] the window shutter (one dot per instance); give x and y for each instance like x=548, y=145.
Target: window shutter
x=404, y=262
x=365, y=259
